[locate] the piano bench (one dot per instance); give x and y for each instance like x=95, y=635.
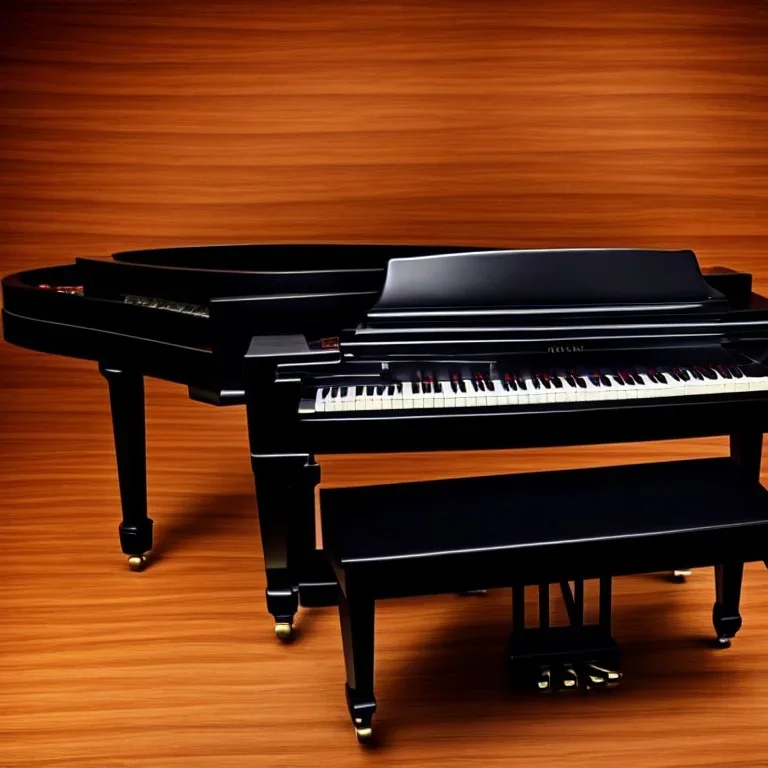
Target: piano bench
x=539, y=528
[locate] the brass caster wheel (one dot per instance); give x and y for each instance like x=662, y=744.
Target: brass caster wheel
x=137, y=562
x=364, y=735
x=284, y=632
x=723, y=642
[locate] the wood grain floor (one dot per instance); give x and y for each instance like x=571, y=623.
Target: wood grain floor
x=526, y=124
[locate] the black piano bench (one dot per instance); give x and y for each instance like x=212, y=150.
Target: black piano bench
x=538, y=529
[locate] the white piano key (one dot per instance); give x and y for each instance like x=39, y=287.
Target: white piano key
x=418, y=397
x=319, y=401
x=348, y=400
x=757, y=383
x=498, y=395
x=470, y=397
x=407, y=395
x=593, y=392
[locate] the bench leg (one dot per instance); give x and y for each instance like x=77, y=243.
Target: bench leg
x=725, y=612
x=747, y=449
x=126, y=399
x=356, y=613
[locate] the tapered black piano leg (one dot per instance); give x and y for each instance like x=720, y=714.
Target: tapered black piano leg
x=725, y=612
x=126, y=397
x=357, y=615
x=746, y=448
x=295, y=570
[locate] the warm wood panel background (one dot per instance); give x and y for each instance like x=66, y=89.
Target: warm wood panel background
x=527, y=123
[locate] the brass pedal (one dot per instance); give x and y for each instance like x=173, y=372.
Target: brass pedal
x=609, y=678
x=544, y=683
x=569, y=680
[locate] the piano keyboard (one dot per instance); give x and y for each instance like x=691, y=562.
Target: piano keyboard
x=538, y=389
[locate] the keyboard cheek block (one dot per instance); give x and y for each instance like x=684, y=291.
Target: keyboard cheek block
x=450, y=536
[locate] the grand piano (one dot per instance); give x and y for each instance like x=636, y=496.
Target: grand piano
x=187, y=315
x=379, y=348
x=506, y=349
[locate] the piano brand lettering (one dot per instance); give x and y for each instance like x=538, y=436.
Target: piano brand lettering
x=559, y=350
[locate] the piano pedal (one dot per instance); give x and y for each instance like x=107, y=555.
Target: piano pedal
x=723, y=642
x=138, y=562
x=544, y=683
x=569, y=679
x=601, y=677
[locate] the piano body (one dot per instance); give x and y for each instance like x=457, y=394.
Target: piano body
x=187, y=315
x=503, y=349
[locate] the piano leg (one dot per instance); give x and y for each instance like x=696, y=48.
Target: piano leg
x=357, y=615
x=746, y=448
x=126, y=397
x=725, y=612
x=296, y=571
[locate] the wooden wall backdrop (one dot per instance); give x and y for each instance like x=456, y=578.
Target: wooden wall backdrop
x=526, y=123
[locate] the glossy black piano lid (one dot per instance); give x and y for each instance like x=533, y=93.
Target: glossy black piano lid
x=543, y=282
x=283, y=256
x=113, y=280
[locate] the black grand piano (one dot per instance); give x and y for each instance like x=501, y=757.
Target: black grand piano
x=506, y=349
x=187, y=315
x=374, y=348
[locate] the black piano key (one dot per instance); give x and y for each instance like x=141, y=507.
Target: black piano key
x=416, y=388
x=618, y=380
x=697, y=374
x=399, y=386
x=708, y=373
x=557, y=381
x=520, y=381
x=544, y=379
x=683, y=374
x=454, y=386
x=490, y=386
x=462, y=385
x=380, y=390
x=344, y=391
x=438, y=386
x=570, y=381
x=736, y=371
x=427, y=386
x=595, y=380
x=724, y=372
x=391, y=390
x=605, y=380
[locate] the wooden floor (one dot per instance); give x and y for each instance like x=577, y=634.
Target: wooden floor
x=177, y=666
x=534, y=123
